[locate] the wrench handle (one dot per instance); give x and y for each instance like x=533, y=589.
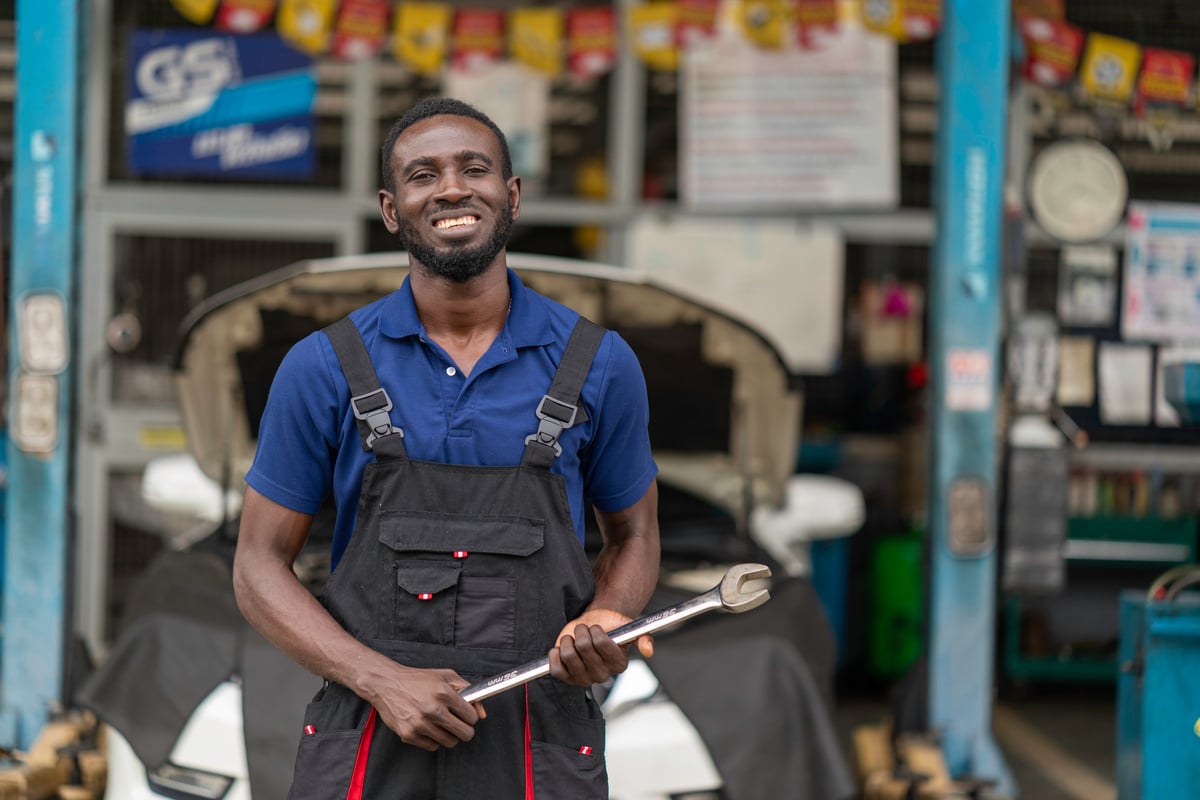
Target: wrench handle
x=659, y=620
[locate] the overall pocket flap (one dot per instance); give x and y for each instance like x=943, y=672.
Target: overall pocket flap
x=429, y=578
x=447, y=533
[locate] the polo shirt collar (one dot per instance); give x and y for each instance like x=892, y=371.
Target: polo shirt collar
x=528, y=321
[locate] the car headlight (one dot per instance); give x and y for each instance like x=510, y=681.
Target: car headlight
x=186, y=783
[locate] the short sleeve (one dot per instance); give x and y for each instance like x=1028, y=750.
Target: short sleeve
x=293, y=464
x=618, y=466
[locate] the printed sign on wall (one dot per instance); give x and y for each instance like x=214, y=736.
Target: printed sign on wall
x=211, y=104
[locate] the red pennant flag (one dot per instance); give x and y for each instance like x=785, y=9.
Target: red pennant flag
x=1165, y=79
x=1052, y=50
x=697, y=20
x=922, y=19
x=815, y=21
x=1041, y=9
x=245, y=16
x=591, y=41
x=361, y=27
x=477, y=38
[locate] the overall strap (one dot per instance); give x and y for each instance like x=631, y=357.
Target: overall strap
x=559, y=408
x=368, y=399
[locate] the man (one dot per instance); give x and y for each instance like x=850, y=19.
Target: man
x=459, y=424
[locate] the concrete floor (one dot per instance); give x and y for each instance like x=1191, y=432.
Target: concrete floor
x=1059, y=741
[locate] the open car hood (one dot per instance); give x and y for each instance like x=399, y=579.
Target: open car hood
x=724, y=409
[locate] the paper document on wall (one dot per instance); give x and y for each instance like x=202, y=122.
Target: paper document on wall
x=1126, y=372
x=1165, y=414
x=1076, y=371
x=782, y=279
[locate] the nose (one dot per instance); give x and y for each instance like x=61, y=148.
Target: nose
x=452, y=187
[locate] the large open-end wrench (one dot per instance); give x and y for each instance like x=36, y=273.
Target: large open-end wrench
x=725, y=596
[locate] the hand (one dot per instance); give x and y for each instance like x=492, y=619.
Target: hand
x=586, y=654
x=423, y=707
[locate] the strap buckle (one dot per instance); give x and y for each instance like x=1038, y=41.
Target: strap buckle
x=553, y=420
x=372, y=408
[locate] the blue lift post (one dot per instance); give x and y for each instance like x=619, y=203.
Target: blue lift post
x=45, y=179
x=965, y=302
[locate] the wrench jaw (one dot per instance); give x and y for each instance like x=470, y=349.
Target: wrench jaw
x=733, y=598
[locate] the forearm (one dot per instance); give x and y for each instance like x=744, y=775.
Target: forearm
x=626, y=569
x=275, y=602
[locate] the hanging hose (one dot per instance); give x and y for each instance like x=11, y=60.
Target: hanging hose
x=1172, y=582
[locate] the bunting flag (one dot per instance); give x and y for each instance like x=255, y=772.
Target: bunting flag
x=244, y=16
x=1051, y=51
x=536, y=38
x=477, y=38
x=652, y=29
x=1109, y=68
x=360, y=28
x=591, y=41
x=1165, y=78
x=1040, y=9
x=198, y=12
x=697, y=20
x=1164, y=87
x=816, y=20
x=921, y=19
x=420, y=37
x=307, y=24
x=764, y=22
x=884, y=16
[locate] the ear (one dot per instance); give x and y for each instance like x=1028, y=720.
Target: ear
x=387, y=210
x=514, y=196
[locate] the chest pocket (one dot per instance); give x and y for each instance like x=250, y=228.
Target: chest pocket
x=462, y=579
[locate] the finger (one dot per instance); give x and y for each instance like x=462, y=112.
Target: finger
x=480, y=710
x=572, y=665
x=612, y=657
x=557, y=670
x=599, y=655
x=645, y=645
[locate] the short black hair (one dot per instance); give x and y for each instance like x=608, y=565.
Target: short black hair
x=432, y=107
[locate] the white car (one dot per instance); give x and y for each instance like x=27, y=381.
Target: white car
x=199, y=706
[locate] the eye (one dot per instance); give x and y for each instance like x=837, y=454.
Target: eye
x=476, y=170
x=421, y=175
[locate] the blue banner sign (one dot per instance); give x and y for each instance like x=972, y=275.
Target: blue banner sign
x=209, y=104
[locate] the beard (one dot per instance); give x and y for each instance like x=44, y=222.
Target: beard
x=457, y=264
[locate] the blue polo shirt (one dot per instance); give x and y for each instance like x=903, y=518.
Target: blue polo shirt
x=309, y=446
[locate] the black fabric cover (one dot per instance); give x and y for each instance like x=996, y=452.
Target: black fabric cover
x=758, y=688
x=182, y=636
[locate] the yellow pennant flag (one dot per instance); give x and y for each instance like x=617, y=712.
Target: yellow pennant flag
x=307, y=24
x=884, y=16
x=652, y=34
x=197, y=11
x=764, y=21
x=421, y=36
x=536, y=38
x=1109, y=68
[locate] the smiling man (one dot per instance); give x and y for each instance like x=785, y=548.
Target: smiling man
x=461, y=426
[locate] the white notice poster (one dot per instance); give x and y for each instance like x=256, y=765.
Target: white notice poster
x=791, y=128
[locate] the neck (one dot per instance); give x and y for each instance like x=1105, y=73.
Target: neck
x=461, y=310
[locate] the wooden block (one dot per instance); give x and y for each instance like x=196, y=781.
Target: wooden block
x=64, y=732
x=880, y=786
x=873, y=750
x=93, y=771
x=35, y=781
x=922, y=756
x=76, y=793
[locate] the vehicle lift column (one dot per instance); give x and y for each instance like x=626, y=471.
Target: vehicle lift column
x=972, y=59
x=37, y=518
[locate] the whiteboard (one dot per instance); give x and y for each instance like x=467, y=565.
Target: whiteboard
x=780, y=277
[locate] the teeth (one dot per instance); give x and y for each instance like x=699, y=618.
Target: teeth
x=443, y=224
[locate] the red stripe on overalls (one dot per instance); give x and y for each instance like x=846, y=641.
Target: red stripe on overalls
x=360, y=759
x=528, y=752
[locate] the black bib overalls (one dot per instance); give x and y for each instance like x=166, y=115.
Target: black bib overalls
x=475, y=569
